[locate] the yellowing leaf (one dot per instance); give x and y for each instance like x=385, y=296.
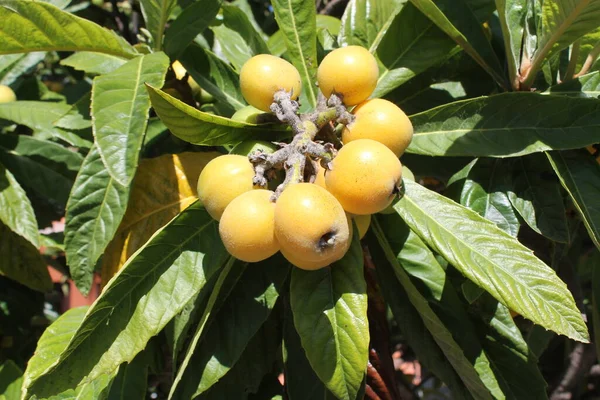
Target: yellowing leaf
x=162, y=188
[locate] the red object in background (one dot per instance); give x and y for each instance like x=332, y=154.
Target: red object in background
x=73, y=297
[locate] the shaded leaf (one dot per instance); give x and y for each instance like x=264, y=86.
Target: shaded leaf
x=297, y=20
x=11, y=379
x=511, y=14
x=122, y=93
x=237, y=55
x=178, y=259
x=197, y=127
x=506, y=125
x=535, y=194
x=95, y=209
x=492, y=259
x=131, y=382
x=24, y=64
x=35, y=26
x=44, y=167
x=192, y=21
x=596, y=308
x=583, y=86
x=235, y=19
x=330, y=315
x=93, y=63
x=366, y=21
x=579, y=174
x=16, y=211
x=156, y=14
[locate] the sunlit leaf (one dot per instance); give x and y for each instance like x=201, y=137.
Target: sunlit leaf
x=93, y=63
x=511, y=14
x=24, y=64
x=584, y=86
x=16, y=211
x=156, y=14
x=11, y=379
x=366, y=21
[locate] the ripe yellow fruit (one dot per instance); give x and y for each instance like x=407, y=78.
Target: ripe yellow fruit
x=364, y=177
x=362, y=223
x=247, y=226
x=180, y=72
x=382, y=121
x=247, y=114
x=7, y=95
x=263, y=75
x=351, y=72
x=222, y=180
x=320, y=176
x=311, y=226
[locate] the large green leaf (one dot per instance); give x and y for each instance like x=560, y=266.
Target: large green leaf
x=458, y=21
x=131, y=382
x=35, y=26
x=506, y=125
x=411, y=44
x=11, y=379
x=537, y=197
x=297, y=20
x=44, y=167
x=93, y=63
x=276, y=42
x=493, y=260
x=192, y=21
x=511, y=14
x=37, y=115
x=205, y=129
x=579, y=174
x=366, y=21
x=232, y=328
x=22, y=262
x=235, y=19
x=95, y=210
x=178, y=259
x=156, y=14
x=121, y=93
x=484, y=192
x=16, y=211
x=23, y=64
x=237, y=55
x=330, y=315
x=213, y=75
x=584, y=86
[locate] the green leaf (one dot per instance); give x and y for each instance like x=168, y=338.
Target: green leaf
x=411, y=45
x=596, y=308
x=200, y=128
x=484, y=192
x=583, y=86
x=178, y=259
x=131, y=382
x=194, y=19
x=511, y=14
x=563, y=22
x=22, y=262
x=330, y=315
x=445, y=311
x=94, y=211
x=579, y=174
x=44, y=167
x=458, y=21
x=297, y=20
x=493, y=260
x=537, y=197
x=35, y=26
x=276, y=42
x=213, y=75
x=11, y=379
x=506, y=125
x=232, y=328
x=37, y=115
x=121, y=93
x=16, y=211
x=235, y=19
x=93, y=63
x=24, y=64
x=366, y=21
x=156, y=14
x=237, y=55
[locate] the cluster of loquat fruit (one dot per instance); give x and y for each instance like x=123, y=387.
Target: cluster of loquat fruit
x=309, y=222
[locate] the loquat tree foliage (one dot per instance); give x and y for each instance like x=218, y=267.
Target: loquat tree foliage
x=277, y=196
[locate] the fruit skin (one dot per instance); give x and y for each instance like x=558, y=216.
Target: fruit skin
x=311, y=226
x=364, y=176
x=351, y=72
x=320, y=176
x=180, y=72
x=247, y=114
x=362, y=223
x=248, y=147
x=263, y=75
x=382, y=121
x=247, y=226
x=222, y=180
x=7, y=95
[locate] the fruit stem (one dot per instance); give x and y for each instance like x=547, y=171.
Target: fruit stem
x=293, y=157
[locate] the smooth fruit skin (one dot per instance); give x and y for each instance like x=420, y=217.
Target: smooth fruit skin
x=7, y=95
x=247, y=114
x=311, y=226
x=263, y=75
x=382, y=121
x=362, y=223
x=351, y=72
x=247, y=226
x=248, y=147
x=180, y=72
x=222, y=180
x=364, y=176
